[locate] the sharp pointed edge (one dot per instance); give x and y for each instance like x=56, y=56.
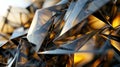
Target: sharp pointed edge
x=84, y=13
x=57, y=51
x=75, y=12
x=61, y=51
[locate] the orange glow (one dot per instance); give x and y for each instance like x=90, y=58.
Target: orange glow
x=116, y=44
x=110, y=54
x=78, y=58
x=116, y=21
x=95, y=23
x=97, y=62
x=82, y=58
x=52, y=35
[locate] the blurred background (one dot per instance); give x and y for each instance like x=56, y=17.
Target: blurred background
x=33, y=29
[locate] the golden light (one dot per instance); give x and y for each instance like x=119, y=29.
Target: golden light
x=115, y=44
x=95, y=23
x=116, y=21
x=82, y=58
x=78, y=58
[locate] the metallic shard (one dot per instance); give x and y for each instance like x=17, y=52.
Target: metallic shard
x=86, y=10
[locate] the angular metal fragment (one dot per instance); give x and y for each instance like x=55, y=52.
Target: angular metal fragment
x=87, y=8
x=41, y=24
